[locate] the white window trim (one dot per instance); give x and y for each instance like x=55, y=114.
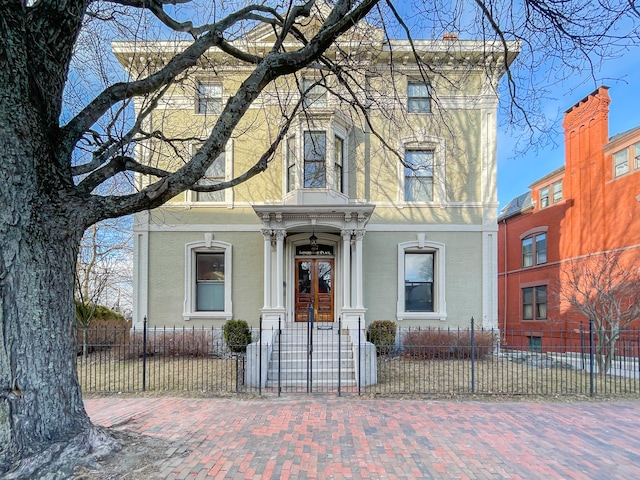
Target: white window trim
x=331, y=129
x=424, y=143
x=207, y=246
x=192, y=197
x=197, y=97
x=316, y=96
x=625, y=162
x=429, y=97
x=440, y=305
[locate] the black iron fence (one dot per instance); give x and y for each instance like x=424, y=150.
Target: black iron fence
x=341, y=359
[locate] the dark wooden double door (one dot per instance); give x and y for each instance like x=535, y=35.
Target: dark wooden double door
x=314, y=288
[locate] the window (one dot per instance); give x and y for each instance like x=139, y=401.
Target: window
x=418, y=98
x=291, y=164
x=338, y=153
x=557, y=191
x=534, y=247
x=421, y=280
x=527, y=252
x=620, y=163
x=215, y=174
x=534, y=301
x=208, y=280
x=315, y=159
x=541, y=248
x=314, y=94
x=315, y=152
x=418, y=176
x=636, y=155
x=418, y=282
x=209, y=99
x=534, y=343
x=544, y=197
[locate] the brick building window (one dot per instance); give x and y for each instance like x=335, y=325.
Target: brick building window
x=534, y=303
x=557, y=191
x=620, y=163
x=544, y=197
x=534, y=250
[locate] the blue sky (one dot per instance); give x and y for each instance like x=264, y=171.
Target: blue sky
x=517, y=172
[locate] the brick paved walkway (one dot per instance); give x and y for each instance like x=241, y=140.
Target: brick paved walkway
x=334, y=438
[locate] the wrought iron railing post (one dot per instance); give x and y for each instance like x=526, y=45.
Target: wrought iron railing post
x=473, y=357
x=144, y=354
x=260, y=357
x=582, y=347
x=310, y=350
x=591, y=358
x=339, y=354
x=279, y=355
x=359, y=354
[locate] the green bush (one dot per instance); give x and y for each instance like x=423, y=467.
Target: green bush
x=237, y=335
x=382, y=333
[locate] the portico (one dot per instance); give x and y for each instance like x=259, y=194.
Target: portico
x=313, y=258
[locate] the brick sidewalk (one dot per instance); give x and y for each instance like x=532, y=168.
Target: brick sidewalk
x=324, y=437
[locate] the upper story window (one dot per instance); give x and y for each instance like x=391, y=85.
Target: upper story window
x=418, y=97
x=557, y=191
x=544, y=197
x=209, y=98
x=636, y=155
x=315, y=160
x=314, y=94
x=534, y=250
x=291, y=163
x=550, y=194
x=418, y=176
x=215, y=174
x=620, y=163
x=338, y=155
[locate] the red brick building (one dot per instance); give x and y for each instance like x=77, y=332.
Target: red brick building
x=588, y=207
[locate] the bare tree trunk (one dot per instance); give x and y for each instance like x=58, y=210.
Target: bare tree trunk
x=38, y=338
x=43, y=424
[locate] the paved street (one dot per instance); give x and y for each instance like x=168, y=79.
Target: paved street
x=325, y=437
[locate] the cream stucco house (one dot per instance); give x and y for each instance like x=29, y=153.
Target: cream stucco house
x=392, y=219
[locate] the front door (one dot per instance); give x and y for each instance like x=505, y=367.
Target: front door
x=314, y=286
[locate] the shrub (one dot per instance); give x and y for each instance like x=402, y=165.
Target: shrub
x=105, y=328
x=382, y=333
x=237, y=335
x=176, y=342
x=446, y=344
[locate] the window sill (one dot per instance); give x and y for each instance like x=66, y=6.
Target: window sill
x=421, y=316
x=187, y=316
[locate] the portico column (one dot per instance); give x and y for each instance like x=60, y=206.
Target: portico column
x=280, y=236
x=267, y=266
x=346, y=268
x=359, y=276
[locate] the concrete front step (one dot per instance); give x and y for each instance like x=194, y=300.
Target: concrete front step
x=291, y=349
x=303, y=383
